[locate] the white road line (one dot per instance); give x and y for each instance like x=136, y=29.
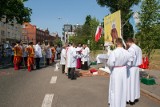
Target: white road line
x=47, y=102
x=53, y=80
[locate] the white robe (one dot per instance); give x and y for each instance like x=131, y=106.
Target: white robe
x=71, y=57
x=88, y=51
x=38, y=51
x=78, y=49
x=48, y=53
x=133, y=80
x=117, y=62
x=63, y=57
x=84, y=56
x=66, y=68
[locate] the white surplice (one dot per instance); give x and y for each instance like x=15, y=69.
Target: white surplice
x=66, y=68
x=117, y=62
x=63, y=57
x=133, y=80
x=84, y=55
x=88, y=52
x=48, y=52
x=71, y=57
x=38, y=51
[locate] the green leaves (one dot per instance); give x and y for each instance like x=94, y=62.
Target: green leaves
x=15, y=10
x=149, y=35
x=87, y=32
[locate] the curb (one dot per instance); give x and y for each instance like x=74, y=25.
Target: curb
x=150, y=94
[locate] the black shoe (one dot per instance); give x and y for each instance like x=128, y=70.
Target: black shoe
x=73, y=78
x=136, y=100
x=132, y=103
x=127, y=102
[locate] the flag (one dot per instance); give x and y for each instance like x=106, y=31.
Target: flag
x=98, y=33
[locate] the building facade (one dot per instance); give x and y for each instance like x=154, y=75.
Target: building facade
x=68, y=31
x=10, y=32
x=35, y=34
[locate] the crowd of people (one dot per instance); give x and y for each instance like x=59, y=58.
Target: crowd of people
x=124, y=85
x=29, y=55
x=74, y=57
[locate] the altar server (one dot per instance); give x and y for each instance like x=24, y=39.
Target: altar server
x=63, y=58
x=117, y=62
x=71, y=61
x=133, y=80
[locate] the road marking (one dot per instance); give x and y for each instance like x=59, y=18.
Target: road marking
x=53, y=80
x=47, y=102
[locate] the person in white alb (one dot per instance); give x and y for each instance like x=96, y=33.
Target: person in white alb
x=117, y=62
x=63, y=58
x=38, y=54
x=71, y=61
x=133, y=80
x=84, y=58
x=88, y=52
x=48, y=54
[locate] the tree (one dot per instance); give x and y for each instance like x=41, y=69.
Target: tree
x=126, y=12
x=14, y=10
x=87, y=32
x=87, y=26
x=149, y=35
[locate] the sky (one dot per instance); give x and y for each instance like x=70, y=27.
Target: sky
x=53, y=14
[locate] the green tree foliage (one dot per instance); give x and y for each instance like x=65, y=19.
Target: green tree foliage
x=87, y=32
x=14, y=10
x=57, y=41
x=128, y=31
x=126, y=12
x=149, y=35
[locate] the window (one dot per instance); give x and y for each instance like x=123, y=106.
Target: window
x=2, y=32
x=23, y=26
x=2, y=24
x=8, y=34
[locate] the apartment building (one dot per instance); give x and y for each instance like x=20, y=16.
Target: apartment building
x=10, y=32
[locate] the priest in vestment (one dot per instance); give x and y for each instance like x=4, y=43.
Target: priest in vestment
x=53, y=53
x=17, y=56
x=30, y=60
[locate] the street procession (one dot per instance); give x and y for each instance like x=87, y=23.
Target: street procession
x=77, y=54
